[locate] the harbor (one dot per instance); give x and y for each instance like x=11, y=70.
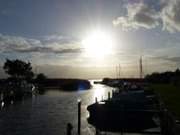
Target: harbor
x=89, y=67
x=132, y=109
x=77, y=106
x=49, y=113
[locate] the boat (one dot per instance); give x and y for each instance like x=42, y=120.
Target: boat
x=128, y=111
x=97, y=82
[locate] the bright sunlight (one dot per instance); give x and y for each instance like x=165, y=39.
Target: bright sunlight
x=98, y=44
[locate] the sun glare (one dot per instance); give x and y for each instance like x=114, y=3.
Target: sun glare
x=99, y=93
x=98, y=44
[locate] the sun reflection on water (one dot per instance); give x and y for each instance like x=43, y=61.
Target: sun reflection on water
x=99, y=92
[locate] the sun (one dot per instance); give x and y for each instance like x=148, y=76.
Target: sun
x=97, y=44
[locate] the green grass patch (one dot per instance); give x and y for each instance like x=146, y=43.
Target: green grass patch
x=170, y=94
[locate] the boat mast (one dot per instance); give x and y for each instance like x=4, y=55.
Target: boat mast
x=119, y=71
x=116, y=72
x=141, y=68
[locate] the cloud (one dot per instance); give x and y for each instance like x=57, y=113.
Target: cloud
x=175, y=59
x=59, y=39
x=138, y=15
x=150, y=14
x=165, y=58
x=59, y=45
x=48, y=50
x=171, y=17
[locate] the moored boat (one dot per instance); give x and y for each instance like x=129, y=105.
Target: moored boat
x=133, y=111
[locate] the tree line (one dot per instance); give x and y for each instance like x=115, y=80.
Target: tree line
x=18, y=71
x=164, y=77
x=21, y=80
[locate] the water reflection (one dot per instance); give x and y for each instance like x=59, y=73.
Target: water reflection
x=49, y=114
x=2, y=104
x=12, y=102
x=99, y=92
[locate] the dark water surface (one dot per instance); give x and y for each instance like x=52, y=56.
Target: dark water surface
x=49, y=113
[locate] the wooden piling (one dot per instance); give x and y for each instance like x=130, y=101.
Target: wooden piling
x=69, y=129
x=108, y=95
x=96, y=100
x=79, y=117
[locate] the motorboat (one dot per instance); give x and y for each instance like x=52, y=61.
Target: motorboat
x=128, y=111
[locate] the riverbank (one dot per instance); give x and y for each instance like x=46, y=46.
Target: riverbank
x=116, y=82
x=170, y=95
x=57, y=83
x=169, y=92
x=13, y=91
x=66, y=84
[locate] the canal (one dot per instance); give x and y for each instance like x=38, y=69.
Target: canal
x=48, y=114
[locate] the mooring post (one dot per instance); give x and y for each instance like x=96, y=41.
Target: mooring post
x=79, y=117
x=69, y=129
x=96, y=100
x=97, y=132
x=108, y=95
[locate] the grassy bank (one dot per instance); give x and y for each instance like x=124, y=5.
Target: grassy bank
x=170, y=95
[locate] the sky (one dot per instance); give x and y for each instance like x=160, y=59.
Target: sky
x=50, y=34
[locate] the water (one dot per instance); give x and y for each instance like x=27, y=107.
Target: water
x=49, y=113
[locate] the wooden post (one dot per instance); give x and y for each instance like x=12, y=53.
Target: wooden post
x=97, y=132
x=96, y=99
x=79, y=117
x=108, y=95
x=69, y=129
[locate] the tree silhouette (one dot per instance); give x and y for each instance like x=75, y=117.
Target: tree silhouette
x=40, y=81
x=40, y=78
x=165, y=77
x=18, y=70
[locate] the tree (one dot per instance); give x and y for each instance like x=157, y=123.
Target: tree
x=18, y=70
x=40, y=78
x=40, y=81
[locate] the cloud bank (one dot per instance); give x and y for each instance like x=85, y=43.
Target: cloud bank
x=49, y=44
x=150, y=14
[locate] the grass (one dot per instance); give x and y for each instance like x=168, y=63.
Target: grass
x=170, y=94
